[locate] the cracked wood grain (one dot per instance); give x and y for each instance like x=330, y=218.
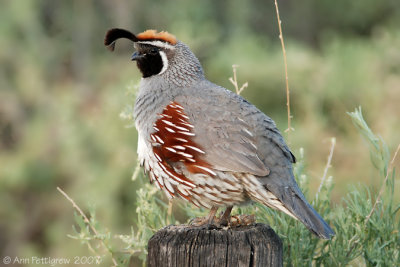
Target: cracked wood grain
x=183, y=245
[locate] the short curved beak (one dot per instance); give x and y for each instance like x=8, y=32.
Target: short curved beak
x=136, y=56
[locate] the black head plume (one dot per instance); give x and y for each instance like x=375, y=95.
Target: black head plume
x=114, y=34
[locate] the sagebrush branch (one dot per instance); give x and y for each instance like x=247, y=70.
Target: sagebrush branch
x=328, y=165
x=234, y=81
x=286, y=71
x=85, y=219
x=383, y=185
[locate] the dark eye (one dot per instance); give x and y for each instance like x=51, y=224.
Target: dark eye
x=154, y=51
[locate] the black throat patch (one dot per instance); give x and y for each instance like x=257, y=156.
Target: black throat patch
x=150, y=64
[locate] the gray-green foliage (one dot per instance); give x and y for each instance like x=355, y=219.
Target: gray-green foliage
x=378, y=149
x=365, y=235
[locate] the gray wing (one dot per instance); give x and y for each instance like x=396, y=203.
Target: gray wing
x=236, y=136
x=228, y=128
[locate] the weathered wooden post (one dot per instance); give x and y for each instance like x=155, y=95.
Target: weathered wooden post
x=185, y=245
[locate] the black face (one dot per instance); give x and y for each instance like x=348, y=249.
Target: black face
x=148, y=60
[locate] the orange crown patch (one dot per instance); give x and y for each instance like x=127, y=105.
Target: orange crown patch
x=154, y=35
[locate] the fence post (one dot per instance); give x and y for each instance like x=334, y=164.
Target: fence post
x=185, y=245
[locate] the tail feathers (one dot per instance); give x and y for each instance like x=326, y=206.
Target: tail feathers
x=296, y=203
x=287, y=197
x=305, y=213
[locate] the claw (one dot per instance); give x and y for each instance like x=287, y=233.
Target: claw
x=224, y=220
x=209, y=220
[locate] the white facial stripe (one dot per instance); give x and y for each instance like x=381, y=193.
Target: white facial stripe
x=158, y=44
x=164, y=62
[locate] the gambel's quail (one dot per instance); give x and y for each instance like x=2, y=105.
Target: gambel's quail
x=203, y=143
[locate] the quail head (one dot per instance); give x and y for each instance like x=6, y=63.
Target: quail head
x=201, y=142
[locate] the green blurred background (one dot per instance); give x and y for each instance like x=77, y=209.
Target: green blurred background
x=62, y=92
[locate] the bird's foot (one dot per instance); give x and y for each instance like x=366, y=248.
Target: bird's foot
x=199, y=221
x=224, y=221
x=205, y=221
x=242, y=220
